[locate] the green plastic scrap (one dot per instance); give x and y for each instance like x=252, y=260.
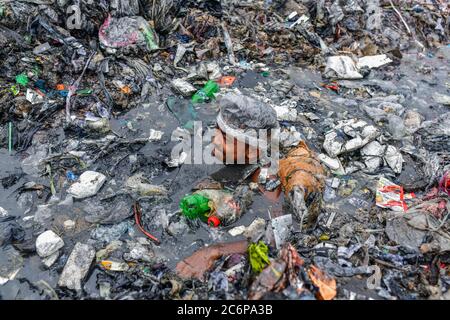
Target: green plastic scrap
x=84, y=92
x=52, y=185
x=195, y=206
x=15, y=90
x=150, y=39
x=258, y=255
x=22, y=79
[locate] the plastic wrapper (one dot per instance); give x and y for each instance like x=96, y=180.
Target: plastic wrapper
x=341, y=67
x=392, y=196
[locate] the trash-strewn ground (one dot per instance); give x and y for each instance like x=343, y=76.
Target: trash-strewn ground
x=95, y=96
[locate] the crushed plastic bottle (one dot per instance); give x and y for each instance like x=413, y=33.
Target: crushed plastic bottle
x=217, y=207
x=228, y=207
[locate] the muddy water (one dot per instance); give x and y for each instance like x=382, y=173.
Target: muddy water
x=9, y=165
x=418, y=78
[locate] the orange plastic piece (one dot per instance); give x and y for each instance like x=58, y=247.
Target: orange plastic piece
x=126, y=89
x=60, y=87
x=226, y=81
x=325, y=284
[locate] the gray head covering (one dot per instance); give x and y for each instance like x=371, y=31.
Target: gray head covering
x=241, y=117
x=242, y=112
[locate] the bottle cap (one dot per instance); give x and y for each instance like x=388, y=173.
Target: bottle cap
x=213, y=221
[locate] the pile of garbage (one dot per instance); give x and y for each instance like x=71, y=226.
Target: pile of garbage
x=208, y=149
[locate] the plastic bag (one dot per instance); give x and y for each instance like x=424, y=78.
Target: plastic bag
x=126, y=32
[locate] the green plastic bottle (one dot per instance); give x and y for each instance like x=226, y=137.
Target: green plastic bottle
x=206, y=93
x=195, y=206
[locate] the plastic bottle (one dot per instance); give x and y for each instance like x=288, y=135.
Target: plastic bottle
x=206, y=93
x=228, y=207
x=216, y=207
